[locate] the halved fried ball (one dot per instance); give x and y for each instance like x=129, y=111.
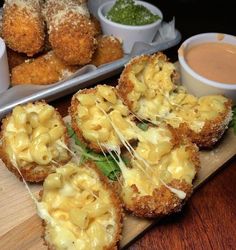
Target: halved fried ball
x=147, y=85
x=160, y=164
x=97, y=114
x=34, y=141
x=82, y=210
x=158, y=178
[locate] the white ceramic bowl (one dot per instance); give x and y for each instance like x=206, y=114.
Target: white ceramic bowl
x=4, y=70
x=197, y=84
x=129, y=34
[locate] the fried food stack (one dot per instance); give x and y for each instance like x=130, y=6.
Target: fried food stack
x=69, y=24
x=64, y=29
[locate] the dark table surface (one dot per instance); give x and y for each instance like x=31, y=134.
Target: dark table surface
x=208, y=220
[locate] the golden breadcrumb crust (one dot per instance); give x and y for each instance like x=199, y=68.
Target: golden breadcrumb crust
x=115, y=201
x=97, y=25
x=163, y=201
x=74, y=44
x=212, y=129
x=30, y=172
x=73, y=111
x=44, y=70
x=22, y=31
x=108, y=50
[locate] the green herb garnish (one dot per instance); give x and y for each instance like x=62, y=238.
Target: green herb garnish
x=105, y=162
x=143, y=126
x=129, y=13
x=233, y=121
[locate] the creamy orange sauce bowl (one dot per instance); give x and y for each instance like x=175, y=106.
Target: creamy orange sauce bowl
x=208, y=64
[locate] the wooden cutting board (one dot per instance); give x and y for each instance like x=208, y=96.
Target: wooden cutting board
x=21, y=228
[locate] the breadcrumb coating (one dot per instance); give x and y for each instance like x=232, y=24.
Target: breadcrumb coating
x=44, y=70
x=108, y=50
x=23, y=26
x=72, y=34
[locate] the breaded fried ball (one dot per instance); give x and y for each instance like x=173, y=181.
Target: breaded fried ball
x=72, y=34
x=84, y=212
x=158, y=178
x=160, y=166
x=147, y=85
x=33, y=141
x=96, y=113
x=23, y=26
x=109, y=49
x=44, y=70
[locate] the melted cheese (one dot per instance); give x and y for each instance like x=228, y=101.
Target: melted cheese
x=175, y=165
x=156, y=98
x=95, y=111
x=34, y=134
x=84, y=217
x=154, y=162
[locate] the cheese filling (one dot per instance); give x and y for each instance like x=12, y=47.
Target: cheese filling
x=156, y=98
x=154, y=162
x=33, y=135
x=83, y=216
x=95, y=126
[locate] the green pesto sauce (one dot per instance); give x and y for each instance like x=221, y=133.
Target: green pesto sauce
x=129, y=13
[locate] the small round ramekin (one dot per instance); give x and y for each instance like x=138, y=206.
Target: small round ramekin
x=194, y=82
x=129, y=34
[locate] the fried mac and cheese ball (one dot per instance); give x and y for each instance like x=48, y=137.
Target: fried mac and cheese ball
x=82, y=211
x=72, y=34
x=147, y=85
x=45, y=69
x=109, y=49
x=158, y=179
x=96, y=114
x=23, y=26
x=33, y=141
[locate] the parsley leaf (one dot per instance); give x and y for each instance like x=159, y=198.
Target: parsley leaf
x=105, y=162
x=143, y=126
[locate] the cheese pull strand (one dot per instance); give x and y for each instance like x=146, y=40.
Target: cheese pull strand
x=180, y=194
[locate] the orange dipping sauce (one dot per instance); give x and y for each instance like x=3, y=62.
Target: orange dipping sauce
x=214, y=61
